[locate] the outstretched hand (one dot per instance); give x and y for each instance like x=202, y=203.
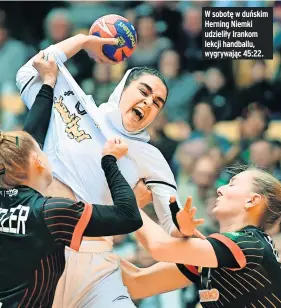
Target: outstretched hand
x=184, y=218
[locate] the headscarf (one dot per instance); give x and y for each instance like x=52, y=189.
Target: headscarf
x=113, y=114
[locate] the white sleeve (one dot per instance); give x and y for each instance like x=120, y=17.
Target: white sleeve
x=160, y=179
x=29, y=82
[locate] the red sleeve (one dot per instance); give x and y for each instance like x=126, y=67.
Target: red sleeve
x=246, y=248
x=228, y=253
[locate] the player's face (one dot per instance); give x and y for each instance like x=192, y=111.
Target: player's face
x=141, y=101
x=234, y=197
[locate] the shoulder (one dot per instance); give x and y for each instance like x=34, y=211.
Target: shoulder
x=245, y=246
x=150, y=161
x=62, y=208
x=245, y=238
x=144, y=149
x=145, y=152
x=57, y=202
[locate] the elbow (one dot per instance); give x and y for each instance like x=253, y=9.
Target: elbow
x=139, y=223
x=134, y=217
x=136, y=294
x=135, y=223
x=134, y=286
x=161, y=249
x=157, y=251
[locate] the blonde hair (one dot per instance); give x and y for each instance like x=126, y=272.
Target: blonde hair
x=15, y=149
x=267, y=186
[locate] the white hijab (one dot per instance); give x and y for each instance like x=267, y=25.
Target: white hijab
x=112, y=112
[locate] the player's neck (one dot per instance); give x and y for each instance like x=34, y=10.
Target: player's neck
x=232, y=226
x=38, y=185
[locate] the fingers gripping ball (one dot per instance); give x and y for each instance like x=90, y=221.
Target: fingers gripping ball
x=115, y=26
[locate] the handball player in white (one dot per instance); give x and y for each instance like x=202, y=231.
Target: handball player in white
x=92, y=277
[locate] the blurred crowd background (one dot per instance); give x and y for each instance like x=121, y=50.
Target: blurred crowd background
x=219, y=112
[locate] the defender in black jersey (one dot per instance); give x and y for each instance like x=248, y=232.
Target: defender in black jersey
x=34, y=229
x=248, y=272
x=238, y=267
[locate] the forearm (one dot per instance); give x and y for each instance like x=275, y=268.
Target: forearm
x=151, y=235
x=71, y=46
x=38, y=118
x=165, y=248
x=161, y=196
x=156, y=279
x=121, y=218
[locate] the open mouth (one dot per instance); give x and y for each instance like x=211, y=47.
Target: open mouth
x=139, y=113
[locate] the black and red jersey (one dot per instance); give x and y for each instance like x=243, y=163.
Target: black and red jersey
x=33, y=233
x=248, y=274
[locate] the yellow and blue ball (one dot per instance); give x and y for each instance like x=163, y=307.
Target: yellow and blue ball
x=115, y=26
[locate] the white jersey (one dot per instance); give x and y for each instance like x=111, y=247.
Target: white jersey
x=74, y=147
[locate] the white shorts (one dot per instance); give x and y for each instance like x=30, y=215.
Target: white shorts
x=92, y=279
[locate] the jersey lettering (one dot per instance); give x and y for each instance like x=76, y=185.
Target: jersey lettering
x=12, y=192
x=80, y=109
x=2, y=220
x=68, y=93
x=12, y=222
x=71, y=120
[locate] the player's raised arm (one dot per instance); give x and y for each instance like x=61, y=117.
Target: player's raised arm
x=90, y=43
x=27, y=79
x=38, y=118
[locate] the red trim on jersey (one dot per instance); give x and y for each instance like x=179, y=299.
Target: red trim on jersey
x=81, y=226
x=47, y=285
x=192, y=269
x=26, y=291
x=35, y=286
x=234, y=248
x=43, y=278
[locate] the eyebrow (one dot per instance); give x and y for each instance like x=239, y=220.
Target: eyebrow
x=232, y=179
x=151, y=91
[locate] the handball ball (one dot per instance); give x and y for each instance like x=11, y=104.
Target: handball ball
x=115, y=26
